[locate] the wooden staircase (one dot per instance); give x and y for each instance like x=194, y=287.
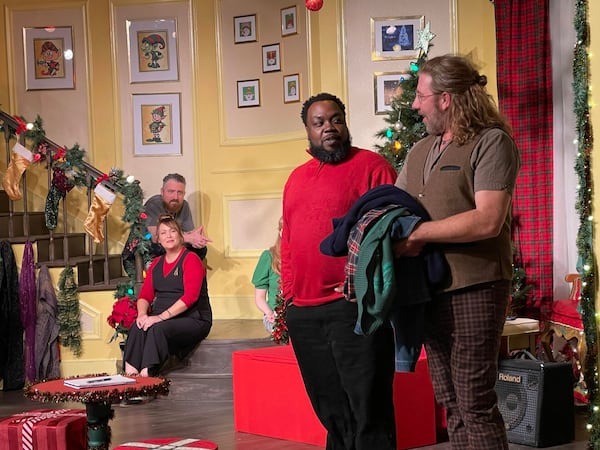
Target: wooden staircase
x=50, y=249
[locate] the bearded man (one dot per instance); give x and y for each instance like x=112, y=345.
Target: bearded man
x=348, y=377
x=171, y=200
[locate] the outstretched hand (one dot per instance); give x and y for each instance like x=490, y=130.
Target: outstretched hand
x=197, y=238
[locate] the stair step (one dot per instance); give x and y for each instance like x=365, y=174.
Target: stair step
x=37, y=224
x=76, y=246
x=115, y=269
x=206, y=374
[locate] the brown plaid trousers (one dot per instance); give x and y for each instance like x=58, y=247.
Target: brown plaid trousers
x=464, y=329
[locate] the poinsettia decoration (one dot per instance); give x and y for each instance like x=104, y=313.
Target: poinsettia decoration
x=123, y=315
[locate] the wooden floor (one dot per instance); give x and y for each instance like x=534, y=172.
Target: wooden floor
x=211, y=420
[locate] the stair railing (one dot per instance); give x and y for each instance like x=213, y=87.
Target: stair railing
x=10, y=125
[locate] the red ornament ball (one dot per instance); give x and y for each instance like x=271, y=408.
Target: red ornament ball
x=313, y=5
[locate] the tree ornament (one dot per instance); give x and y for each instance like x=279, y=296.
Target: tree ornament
x=389, y=133
x=313, y=5
x=424, y=38
x=398, y=126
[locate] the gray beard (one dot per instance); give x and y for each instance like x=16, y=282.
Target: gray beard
x=336, y=156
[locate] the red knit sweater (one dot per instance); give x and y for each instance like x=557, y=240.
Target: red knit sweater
x=314, y=194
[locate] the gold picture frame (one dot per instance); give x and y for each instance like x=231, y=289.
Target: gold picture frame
x=395, y=37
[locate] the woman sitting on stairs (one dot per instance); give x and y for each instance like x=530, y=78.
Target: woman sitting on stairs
x=174, y=312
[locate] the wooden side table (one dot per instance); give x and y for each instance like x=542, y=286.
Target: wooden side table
x=519, y=333
x=98, y=402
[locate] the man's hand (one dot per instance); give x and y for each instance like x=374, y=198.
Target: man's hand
x=406, y=247
x=197, y=238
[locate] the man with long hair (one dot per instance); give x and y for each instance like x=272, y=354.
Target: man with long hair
x=464, y=173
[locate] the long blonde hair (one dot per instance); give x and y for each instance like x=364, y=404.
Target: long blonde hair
x=472, y=108
x=276, y=250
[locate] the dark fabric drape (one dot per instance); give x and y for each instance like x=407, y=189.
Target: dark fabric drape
x=27, y=297
x=47, y=360
x=525, y=97
x=11, y=329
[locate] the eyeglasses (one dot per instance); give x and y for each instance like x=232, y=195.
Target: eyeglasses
x=421, y=97
x=166, y=218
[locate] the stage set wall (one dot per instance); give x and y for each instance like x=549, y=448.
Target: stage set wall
x=236, y=160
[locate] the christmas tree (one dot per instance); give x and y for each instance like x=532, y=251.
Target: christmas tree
x=405, y=126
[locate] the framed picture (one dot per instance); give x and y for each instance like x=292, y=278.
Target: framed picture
x=244, y=29
x=156, y=124
x=291, y=88
x=152, y=50
x=271, y=58
x=48, y=58
x=388, y=85
x=395, y=37
x=289, y=21
x=248, y=93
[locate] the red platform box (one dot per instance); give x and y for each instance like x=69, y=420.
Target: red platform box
x=269, y=398
x=415, y=408
x=170, y=443
x=267, y=385
x=44, y=429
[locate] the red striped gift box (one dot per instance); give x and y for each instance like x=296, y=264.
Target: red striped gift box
x=44, y=429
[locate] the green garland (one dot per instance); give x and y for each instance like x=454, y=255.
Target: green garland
x=583, y=205
x=70, y=161
x=69, y=313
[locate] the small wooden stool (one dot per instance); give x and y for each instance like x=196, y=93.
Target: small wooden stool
x=169, y=443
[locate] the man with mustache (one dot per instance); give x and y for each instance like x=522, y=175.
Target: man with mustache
x=171, y=200
x=348, y=377
x=464, y=174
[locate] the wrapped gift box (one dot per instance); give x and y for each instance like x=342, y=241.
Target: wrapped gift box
x=171, y=443
x=44, y=429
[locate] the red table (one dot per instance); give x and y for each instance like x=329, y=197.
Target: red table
x=98, y=401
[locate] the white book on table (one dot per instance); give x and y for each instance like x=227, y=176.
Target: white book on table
x=100, y=381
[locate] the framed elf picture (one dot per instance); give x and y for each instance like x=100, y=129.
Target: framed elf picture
x=156, y=124
x=152, y=50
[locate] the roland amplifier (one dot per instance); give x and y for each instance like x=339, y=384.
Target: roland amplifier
x=536, y=401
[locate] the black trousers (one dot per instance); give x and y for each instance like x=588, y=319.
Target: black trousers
x=348, y=378
x=151, y=348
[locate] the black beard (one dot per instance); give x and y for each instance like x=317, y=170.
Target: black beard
x=335, y=156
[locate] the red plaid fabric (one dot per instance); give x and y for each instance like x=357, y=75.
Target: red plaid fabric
x=356, y=235
x=525, y=97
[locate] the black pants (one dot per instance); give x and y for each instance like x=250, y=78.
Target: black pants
x=151, y=348
x=348, y=378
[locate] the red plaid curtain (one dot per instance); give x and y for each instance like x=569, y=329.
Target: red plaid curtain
x=525, y=97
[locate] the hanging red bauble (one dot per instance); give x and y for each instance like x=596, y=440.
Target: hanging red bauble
x=313, y=5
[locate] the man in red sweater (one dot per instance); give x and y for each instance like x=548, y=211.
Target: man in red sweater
x=348, y=377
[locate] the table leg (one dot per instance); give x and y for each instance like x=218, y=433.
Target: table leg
x=98, y=429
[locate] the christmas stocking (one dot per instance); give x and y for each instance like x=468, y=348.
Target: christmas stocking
x=103, y=200
x=59, y=188
x=20, y=160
